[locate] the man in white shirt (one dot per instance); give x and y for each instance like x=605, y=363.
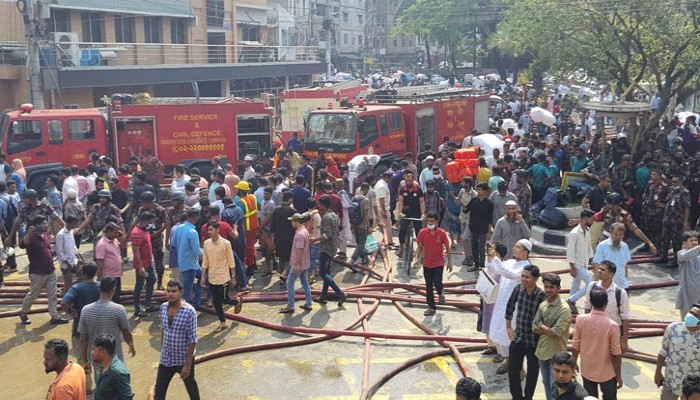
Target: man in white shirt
x=249, y=172
x=578, y=254
x=66, y=251
x=618, y=308
x=383, y=199
x=68, y=183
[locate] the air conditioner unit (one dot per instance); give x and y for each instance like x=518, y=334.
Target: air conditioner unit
x=66, y=48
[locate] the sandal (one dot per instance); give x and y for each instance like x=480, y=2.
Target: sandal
x=489, y=352
x=320, y=300
x=305, y=307
x=286, y=310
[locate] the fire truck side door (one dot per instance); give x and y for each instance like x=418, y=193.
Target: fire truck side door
x=425, y=128
x=133, y=138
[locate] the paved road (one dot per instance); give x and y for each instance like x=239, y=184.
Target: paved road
x=326, y=370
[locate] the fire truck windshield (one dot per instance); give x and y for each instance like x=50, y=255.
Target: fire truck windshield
x=331, y=129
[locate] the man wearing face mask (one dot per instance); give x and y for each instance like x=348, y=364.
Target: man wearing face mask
x=689, y=280
x=675, y=220
x=156, y=228
x=432, y=242
x=679, y=351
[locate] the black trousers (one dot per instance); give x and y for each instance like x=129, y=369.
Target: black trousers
x=609, y=388
x=118, y=292
x=217, y=292
x=518, y=352
x=433, y=279
x=165, y=375
x=479, y=249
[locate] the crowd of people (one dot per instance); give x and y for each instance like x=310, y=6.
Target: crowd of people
x=303, y=215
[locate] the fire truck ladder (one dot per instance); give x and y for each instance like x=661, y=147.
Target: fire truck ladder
x=417, y=94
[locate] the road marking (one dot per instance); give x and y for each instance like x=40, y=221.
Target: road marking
x=644, y=369
x=443, y=363
x=647, y=310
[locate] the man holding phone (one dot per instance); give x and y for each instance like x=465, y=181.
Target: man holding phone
x=42, y=274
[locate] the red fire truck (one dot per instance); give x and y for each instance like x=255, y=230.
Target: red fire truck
x=296, y=104
x=189, y=134
x=390, y=130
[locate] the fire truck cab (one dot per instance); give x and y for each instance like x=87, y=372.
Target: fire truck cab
x=47, y=140
x=391, y=130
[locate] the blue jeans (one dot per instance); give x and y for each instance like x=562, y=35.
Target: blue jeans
x=582, y=275
x=315, y=249
x=324, y=267
x=547, y=377
x=240, y=272
x=149, y=280
x=191, y=279
x=291, y=279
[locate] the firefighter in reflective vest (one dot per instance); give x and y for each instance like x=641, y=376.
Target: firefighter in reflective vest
x=249, y=204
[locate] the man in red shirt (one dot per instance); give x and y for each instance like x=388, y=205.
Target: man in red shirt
x=225, y=229
x=143, y=263
x=431, y=242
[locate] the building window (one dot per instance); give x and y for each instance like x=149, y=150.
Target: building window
x=60, y=21
x=410, y=43
x=359, y=40
x=124, y=29
x=352, y=40
x=251, y=33
x=395, y=43
x=215, y=13
x=345, y=38
x=345, y=17
x=178, y=31
x=361, y=19
x=93, y=28
x=403, y=42
x=153, y=29
x=321, y=10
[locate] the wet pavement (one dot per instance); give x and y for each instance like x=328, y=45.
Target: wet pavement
x=331, y=369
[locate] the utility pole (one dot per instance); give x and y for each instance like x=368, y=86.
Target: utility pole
x=32, y=27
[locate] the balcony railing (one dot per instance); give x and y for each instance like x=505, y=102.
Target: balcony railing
x=84, y=54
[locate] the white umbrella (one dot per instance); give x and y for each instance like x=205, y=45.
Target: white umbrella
x=495, y=98
x=487, y=142
x=421, y=76
x=538, y=114
x=685, y=114
x=509, y=123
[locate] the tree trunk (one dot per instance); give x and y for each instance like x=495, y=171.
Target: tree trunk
x=497, y=59
x=427, y=52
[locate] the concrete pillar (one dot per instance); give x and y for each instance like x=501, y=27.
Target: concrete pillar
x=225, y=88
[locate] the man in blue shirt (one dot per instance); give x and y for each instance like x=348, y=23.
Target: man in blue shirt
x=539, y=174
x=615, y=250
x=186, y=240
x=300, y=193
x=294, y=144
x=53, y=196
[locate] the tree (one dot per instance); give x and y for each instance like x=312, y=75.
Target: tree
x=450, y=23
x=624, y=41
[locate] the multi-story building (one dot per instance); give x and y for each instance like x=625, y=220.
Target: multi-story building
x=183, y=48
x=383, y=48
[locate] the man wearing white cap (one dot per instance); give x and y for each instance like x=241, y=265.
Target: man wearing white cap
x=510, y=272
x=510, y=228
x=427, y=173
x=249, y=172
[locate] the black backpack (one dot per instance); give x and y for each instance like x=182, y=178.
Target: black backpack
x=355, y=210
